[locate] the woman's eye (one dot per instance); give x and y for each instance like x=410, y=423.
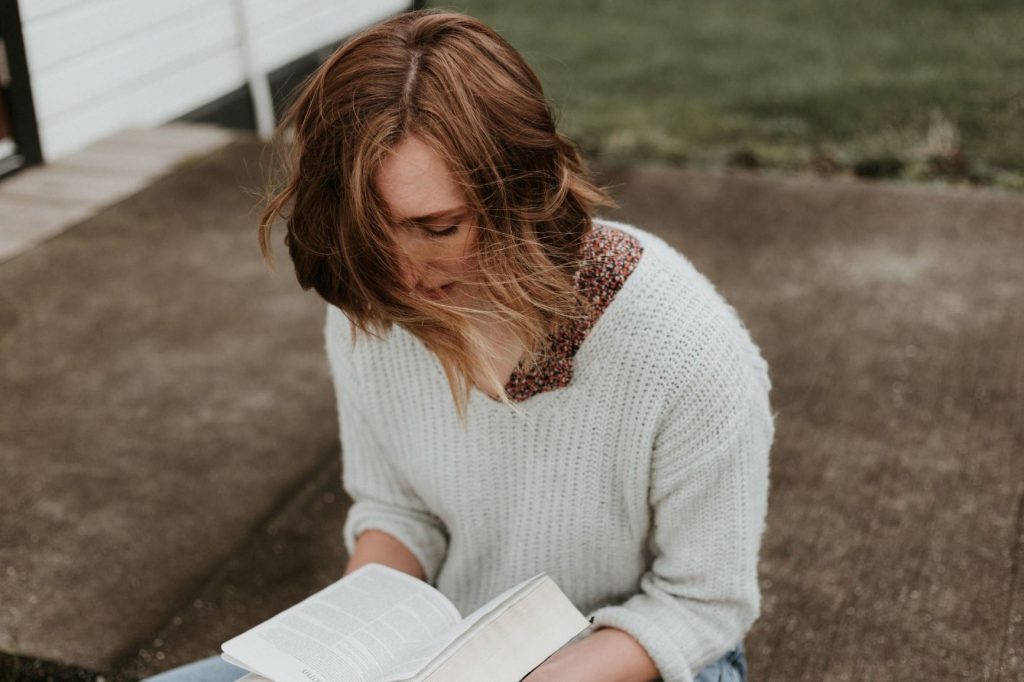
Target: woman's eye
x=451, y=229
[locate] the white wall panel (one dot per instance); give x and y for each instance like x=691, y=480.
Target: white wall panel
x=33, y=9
x=131, y=63
x=288, y=36
x=92, y=25
x=186, y=88
x=98, y=66
x=263, y=12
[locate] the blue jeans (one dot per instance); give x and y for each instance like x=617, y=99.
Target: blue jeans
x=729, y=668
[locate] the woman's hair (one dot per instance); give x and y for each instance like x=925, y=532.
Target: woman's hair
x=462, y=89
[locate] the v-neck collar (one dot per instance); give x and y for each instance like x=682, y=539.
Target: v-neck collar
x=610, y=256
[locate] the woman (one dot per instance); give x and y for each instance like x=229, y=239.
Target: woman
x=521, y=387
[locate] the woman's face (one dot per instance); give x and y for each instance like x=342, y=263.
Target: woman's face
x=434, y=229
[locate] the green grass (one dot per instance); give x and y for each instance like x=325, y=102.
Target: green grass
x=913, y=89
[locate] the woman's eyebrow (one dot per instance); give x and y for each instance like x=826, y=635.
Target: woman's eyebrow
x=431, y=217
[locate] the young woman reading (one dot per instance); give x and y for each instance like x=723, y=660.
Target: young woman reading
x=522, y=387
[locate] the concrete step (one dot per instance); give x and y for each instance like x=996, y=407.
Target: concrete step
x=42, y=201
x=163, y=394
x=294, y=554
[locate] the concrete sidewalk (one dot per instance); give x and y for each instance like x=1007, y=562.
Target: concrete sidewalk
x=169, y=443
x=164, y=393
x=43, y=201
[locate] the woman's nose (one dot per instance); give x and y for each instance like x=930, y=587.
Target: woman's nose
x=408, y=274
x=410, y=266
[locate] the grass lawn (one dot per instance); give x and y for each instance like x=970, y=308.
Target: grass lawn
x=912, y=89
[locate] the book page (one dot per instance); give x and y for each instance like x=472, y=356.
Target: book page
x=355, y=629
x=435, y=652
x=512, y=640
x=495, y=603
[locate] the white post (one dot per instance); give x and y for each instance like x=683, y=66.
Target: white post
x=259, y=88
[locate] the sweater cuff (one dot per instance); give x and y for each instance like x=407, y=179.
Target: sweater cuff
x=420, y=536
x=642, y=617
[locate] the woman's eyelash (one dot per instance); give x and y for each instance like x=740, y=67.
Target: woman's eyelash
x=451, y=229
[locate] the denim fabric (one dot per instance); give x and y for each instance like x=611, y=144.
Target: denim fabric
x=212, y=669
x=732, y=667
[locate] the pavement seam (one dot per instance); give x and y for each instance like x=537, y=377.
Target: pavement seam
x=1015, y=561
x=812, y=395
x=282, y=502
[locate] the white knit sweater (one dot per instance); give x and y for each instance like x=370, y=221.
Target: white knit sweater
x=640, y=488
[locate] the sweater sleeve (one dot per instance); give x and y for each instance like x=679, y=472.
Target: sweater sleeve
x=708, y=495
x=382, y=497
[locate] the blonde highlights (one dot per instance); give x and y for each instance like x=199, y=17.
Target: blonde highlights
x=459, y=87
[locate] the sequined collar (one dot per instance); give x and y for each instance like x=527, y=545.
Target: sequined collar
x=609, y=255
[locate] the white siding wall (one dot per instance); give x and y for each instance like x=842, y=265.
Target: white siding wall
x=98, y=66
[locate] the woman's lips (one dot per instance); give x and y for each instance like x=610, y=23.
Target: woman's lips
x=438, y=293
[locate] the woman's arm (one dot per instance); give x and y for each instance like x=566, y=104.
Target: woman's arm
x=708, y=494
x=383, y=500
x=606, y=655
x=374, y=546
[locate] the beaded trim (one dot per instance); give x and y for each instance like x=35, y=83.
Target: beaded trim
x=609, y=255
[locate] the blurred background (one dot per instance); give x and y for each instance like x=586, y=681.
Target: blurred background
x=914, y=90
x=849, y=175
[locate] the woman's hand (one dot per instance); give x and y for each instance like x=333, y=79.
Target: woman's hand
x=607, y=655
x=374, y=546
x=551, y=672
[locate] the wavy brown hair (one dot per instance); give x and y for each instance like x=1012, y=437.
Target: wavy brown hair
x=457, y=85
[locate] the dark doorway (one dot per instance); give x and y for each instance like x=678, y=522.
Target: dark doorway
x=19, y=136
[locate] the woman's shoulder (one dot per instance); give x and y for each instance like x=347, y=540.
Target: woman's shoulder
x=666, y=287
x=663, y=261
x=354, y=352
x=675, y=317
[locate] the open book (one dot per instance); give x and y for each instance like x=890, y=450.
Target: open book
x=378, y=624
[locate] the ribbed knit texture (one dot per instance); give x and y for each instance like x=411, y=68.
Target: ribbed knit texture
x=640, y=488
